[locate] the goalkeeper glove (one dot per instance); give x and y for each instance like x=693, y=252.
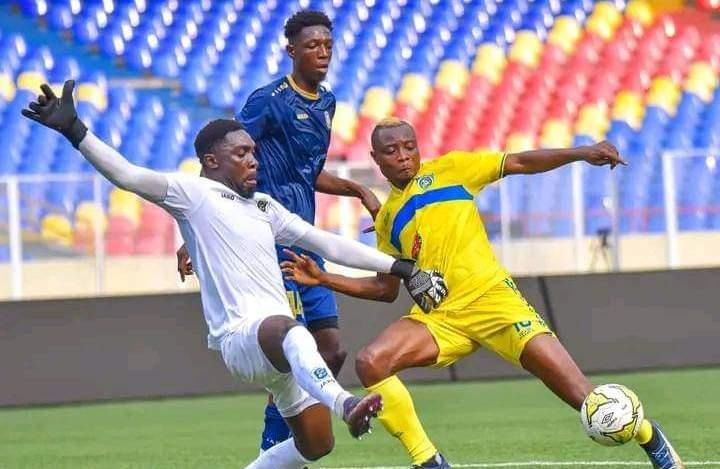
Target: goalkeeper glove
x=427, y=289
x=58, y=113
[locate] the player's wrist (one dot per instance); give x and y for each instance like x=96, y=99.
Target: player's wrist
x=75, y=132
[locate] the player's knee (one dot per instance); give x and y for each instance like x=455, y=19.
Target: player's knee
x=371, y=366
x=318, y=447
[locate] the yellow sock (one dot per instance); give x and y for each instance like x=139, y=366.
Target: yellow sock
x=400, y=420
x=645, y=432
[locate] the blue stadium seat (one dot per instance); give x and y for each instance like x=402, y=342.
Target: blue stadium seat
x=60, y=17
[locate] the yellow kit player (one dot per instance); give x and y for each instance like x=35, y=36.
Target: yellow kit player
x=430, y=216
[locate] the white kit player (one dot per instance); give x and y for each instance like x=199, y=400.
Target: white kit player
x=231, y=233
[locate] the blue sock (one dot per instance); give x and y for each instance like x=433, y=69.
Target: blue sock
x=275, y=431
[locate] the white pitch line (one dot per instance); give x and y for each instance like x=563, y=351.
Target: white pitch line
x=543, y=464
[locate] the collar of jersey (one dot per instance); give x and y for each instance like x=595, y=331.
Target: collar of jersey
x=300, y=91
x=223, y=186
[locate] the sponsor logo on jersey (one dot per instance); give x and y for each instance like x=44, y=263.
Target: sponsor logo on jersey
x=417, y=245
x=302, y=116
x=227, y=195
x=328, y=122
x=426, y=181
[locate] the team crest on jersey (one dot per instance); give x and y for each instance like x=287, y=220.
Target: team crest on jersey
x=426, y=181
x=262, y=204
x=417, y=246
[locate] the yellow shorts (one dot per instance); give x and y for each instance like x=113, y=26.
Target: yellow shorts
x=500, y=320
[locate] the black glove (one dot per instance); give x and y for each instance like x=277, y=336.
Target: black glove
x=427, y=289
x=58, y=114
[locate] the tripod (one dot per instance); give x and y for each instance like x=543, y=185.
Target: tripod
x=601, y=248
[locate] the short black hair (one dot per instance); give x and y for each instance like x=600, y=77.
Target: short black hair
x=213, y=133
x=387, y=123
x=304, y=19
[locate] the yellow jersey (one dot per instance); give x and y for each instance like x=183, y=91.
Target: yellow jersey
x=435, y=221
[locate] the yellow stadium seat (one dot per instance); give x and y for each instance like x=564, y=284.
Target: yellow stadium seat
x=664, y=93
x=490, y=62
x=126, y=204
x=345, y=121
x=593, y=120
x=190, y=165
x=93, y=94
x=517, y=142
x=526, y=49
x=415, y=91
x=640, y=11
x=88, y=215
x=452, y=78
x=30, y=81
x=701, y=88
x=57, y=229
x=601, y=26
x=629, y=107
x=609, y=12
x=7, y=87
x=703, y=72
x=556, y=133
x=565, y=33
x=378, y=103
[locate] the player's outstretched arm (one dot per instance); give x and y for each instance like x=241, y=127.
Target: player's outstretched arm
x=60, y=114
x=305, y=271
x=330, y=184
x=426, y=288
x=539, y=161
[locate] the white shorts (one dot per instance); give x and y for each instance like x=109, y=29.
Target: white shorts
x=245, y=359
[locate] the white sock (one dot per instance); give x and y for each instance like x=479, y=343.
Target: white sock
x=311, y=371
x=281, y=456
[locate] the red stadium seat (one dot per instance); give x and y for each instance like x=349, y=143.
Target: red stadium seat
x=337, y=147
x=406, y=112
x=120, y=236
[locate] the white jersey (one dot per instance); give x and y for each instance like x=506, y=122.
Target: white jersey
x=231, y=241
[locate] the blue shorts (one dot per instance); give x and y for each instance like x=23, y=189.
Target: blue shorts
x=313, y=306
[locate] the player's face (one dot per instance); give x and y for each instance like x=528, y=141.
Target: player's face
x=236, y=160
x=396, y=153
x=311, y=52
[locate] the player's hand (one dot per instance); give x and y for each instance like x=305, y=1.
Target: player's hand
x=58, y=113
x=184, y=265
x=371, y=204
x=301, y=269
x=604, y=153
x=427, y=289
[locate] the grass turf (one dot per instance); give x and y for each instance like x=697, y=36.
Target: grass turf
x=471, y=422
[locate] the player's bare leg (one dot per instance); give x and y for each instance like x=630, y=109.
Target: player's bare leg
x=546, y=358
x=403, y=344
x=312, y=439
x=291, y=348
x=328, y=341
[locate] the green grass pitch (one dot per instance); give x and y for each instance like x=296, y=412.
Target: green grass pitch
x=480, y=424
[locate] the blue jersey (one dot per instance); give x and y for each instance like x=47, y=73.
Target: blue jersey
x=291, y=129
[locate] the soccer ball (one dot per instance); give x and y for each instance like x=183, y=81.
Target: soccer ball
x=611, y=414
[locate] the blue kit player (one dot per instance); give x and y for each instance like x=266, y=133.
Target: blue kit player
x=290, y=119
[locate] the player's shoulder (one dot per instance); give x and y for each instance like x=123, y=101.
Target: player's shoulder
x=265, y=202
x=269, y=92
x=187, y=179
x=325, y=91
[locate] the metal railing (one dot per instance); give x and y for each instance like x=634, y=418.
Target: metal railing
x=510, y=221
